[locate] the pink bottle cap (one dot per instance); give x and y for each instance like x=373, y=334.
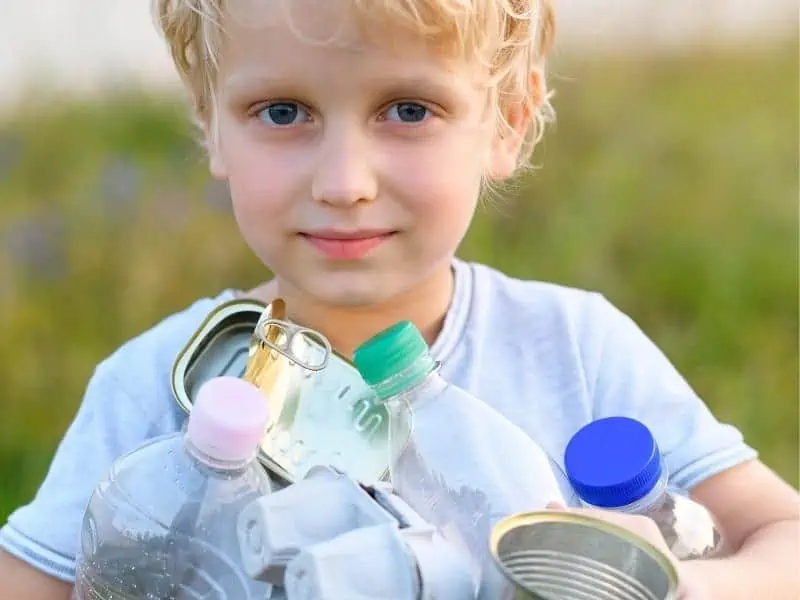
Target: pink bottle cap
x=228, y=419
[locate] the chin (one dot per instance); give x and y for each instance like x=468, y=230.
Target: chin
x=350, y=290
x=353, y=296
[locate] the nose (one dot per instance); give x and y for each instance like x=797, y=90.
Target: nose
x=343, y=174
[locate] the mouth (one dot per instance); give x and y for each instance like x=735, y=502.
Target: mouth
x=347, y=245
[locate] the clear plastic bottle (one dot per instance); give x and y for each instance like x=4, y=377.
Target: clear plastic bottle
x=162, y=524
x=615, y=464
x=461, y=465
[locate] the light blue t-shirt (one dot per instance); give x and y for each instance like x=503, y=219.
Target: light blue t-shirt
x=549, y=358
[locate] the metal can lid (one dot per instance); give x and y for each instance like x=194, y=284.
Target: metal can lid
x=613, y=462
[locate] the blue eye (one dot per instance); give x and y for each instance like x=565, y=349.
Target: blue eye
x=407, y=112
x=282, y=114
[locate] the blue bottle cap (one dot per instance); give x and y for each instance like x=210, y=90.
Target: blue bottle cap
x=613, y=462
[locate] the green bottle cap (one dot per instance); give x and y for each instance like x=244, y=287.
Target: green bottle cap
x=394, y=360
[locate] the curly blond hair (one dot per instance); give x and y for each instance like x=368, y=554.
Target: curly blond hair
x=512, y=37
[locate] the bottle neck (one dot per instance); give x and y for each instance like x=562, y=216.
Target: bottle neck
x=228, y=467
x=422, y=373
x=652, y=499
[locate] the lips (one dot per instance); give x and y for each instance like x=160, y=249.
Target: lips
x=346, y=245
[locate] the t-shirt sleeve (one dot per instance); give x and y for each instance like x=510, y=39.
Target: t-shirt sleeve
x=45, y=533
x=632, y=377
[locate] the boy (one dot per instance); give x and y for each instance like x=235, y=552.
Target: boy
x=356, y=137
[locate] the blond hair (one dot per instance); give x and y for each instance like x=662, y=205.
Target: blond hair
x=512, y=37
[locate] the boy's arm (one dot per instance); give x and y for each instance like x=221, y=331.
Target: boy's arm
x=20, y=580
x=762, y=528
x=756, y=510
x=44, y=534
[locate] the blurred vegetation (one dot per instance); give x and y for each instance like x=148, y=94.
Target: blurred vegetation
x=669, y=185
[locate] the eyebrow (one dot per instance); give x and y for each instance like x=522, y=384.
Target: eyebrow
x=243, y=83
x=436, y=86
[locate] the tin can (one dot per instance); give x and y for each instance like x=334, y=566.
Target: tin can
x=220, y=346
x=321, y=414
x=552, y=555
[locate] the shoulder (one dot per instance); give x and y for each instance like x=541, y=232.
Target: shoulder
x=129, y=396
x=571, y=323
x=571, y=334
x=142, y=364
x=528, y=305
x=528, y=330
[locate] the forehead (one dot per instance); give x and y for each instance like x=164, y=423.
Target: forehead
x=315, y=22
x=313, y=34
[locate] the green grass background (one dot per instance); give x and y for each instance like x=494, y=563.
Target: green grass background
x=670, y=185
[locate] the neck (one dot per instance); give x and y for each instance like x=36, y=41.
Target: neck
x=347, y=327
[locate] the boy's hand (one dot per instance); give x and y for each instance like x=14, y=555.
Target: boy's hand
x=691, y=588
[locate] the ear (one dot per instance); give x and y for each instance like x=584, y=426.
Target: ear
x=508, y=140
x=216, y=164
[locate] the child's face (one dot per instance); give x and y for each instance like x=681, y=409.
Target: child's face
x=325, y=141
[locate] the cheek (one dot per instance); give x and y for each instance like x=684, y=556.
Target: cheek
x=441, y=182
x=261, y=182
x=262, y=192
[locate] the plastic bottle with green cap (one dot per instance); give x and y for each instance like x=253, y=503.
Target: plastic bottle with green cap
x=454, y=459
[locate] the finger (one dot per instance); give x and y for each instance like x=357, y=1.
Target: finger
x=640, y=525
x=692, y=586
x=555, y=506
